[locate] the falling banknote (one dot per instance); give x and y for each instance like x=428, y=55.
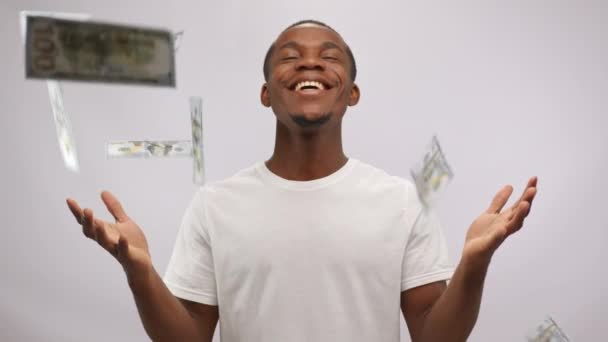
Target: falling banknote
x=90, y=51
x=196, y=116
x=432, y=174
x=63, y=127
x=149, y=149
x=548, y=331
x=177, y=39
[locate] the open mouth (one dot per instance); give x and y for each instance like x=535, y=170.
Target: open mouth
x=309, y=86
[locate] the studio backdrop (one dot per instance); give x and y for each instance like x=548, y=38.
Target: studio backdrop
x=512, y=89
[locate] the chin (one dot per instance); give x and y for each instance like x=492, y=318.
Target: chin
x=311, y=119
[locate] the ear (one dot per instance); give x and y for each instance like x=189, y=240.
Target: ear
x=355, y=94
x=265, y=96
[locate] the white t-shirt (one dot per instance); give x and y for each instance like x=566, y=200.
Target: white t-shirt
x=300, y=261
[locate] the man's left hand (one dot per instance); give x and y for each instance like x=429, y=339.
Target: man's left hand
x=493, y=226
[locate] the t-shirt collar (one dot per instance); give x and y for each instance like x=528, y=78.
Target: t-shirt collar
x=274, y=179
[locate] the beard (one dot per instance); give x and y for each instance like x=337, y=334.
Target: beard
x=303, y=122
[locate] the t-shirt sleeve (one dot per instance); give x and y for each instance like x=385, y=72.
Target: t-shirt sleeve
x=425, y=259
x=190, y=274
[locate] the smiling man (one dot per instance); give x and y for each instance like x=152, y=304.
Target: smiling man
x=310, y=245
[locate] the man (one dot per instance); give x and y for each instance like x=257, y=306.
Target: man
x=310, y=245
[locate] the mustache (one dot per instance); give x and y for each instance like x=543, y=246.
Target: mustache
x=303, y=122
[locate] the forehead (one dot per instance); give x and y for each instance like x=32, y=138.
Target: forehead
x=309, y=34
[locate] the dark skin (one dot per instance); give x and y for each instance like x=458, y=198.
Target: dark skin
x=308, y=146
x=306, y=152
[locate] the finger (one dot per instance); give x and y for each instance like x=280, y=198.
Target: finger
x=530, y=190
x=114, y=206
x=517, y=220
x=531, y=199
x=75, y=209
x=87, y=223
x=527, y=196
x=531, y=184
x=500, y=199
x=103, y=238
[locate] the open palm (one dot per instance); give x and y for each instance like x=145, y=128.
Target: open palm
x=494, y=225
x=123, y=238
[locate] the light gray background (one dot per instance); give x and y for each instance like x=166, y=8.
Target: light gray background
x=512, y=88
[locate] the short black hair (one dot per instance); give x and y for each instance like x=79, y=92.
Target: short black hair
x=353, y=67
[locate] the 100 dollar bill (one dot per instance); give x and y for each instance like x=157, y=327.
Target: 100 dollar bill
x=432, y=174
x=149, y=149
x=89, y=51
x=63, y=126
x=548, y=331
x=196, y=117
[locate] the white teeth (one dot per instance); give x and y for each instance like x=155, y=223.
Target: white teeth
x=315, y=84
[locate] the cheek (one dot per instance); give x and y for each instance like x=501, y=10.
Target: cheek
x=345, y=92
x=275, y=94
x=342, y=75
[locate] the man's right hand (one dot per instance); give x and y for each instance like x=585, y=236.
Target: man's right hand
x=123, y=239
x=164, y=316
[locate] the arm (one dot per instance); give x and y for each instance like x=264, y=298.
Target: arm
x=440, y=312
x=168, y=318
x=164, y=317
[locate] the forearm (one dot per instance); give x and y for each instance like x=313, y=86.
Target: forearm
x=453, y=316
x=163, y=316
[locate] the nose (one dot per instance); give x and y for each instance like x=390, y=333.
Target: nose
x=310, y=62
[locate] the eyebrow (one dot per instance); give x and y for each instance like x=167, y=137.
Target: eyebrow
x=325, y=46
x=330, y=45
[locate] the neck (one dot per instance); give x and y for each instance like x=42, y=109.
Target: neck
x=307, y=156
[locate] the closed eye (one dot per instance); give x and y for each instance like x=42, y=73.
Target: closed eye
x=330, y=58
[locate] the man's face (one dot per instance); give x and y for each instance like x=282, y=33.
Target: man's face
x=309, y=84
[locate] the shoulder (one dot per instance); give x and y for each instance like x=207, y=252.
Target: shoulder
x=242, y=180
x=377, y=179
x=388, y=188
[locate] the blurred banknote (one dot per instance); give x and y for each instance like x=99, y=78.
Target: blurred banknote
x=63, y=127
x=23, y=15
x=149, y=149
x=432, y=174
x=90, y=51
x=60, y=116
x=548, y=331
x=177, y=39
x=196, y=116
